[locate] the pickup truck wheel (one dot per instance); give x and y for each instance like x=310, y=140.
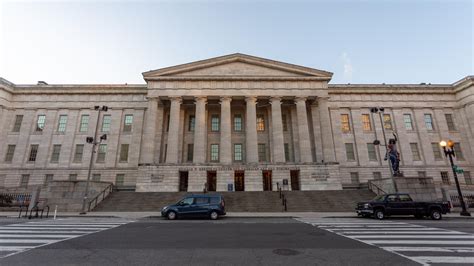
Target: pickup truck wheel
x=213, y=215
x=171, y=215
x=436, y=215
x=379, y=214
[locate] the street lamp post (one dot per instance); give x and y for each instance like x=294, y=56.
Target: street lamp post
x=94, y=141
x=449, y=152
x=380, y=111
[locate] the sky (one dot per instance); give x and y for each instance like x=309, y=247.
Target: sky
x=97, y=42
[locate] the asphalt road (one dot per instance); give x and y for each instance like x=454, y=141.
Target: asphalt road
x=246, y=241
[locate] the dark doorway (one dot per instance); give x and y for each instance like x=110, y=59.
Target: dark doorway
x=295, y=179
x=239, y=180
x=183, y=180
x=211, y=180
x=267, y=180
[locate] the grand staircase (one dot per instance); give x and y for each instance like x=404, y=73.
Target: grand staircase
x=258, y=201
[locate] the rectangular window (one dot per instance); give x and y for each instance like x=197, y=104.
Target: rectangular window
x=48, y=178
x=458, y=151
x=214, y=152
x=123, y=153
x=119, y=179
x=415, y=152
x=78, y=153
x=387, y=122
x=467, y=177
x=371, y=151
x=72, y=177
x=127, y=123
x=355, y=178
x=445, y=178
x=436, y=151
x=287, y=152
x=215, y=123
x=101, y=153
x=192, y=123
x=62, y=123
x=238, y=122
x=285, y=125
x=408, y=122
x=262, y=152
x=260, y=123
x=345, y=123
x=33, y=152
x=40, y=122
x=95, y=177
x=429, y=122
x=17, y=125
x=106, y=121
x=190, y=152
x=238, y=152
x=421, y=174
x=350, y=155
x=84, y=126
x=24, y=180
x=10, y=153
x=450, y=122
x=377, y=175
x=366, y=125
x=55, y=153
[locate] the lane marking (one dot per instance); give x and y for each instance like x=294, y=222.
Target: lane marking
x=421, y=242
x=414, y=236
x=43, y=231
x=37, y=236
x=59, y=225
x=403, y=232
x=92, y=229
x=431, y=249
x=27, y=240
x=444, y=259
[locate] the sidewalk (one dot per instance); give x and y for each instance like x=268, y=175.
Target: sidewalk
x=139, y=215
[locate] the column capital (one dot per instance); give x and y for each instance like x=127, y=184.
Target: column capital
x=276, y=99
x=250, y=98
x=200, y=98
x=226, y=99
x=176, y=99
x=301, y=98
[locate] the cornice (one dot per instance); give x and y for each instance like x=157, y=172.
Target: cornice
x=235, y=78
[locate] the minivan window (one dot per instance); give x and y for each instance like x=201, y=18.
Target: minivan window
x=202, y=200
x=215, y=200
x=186, y=201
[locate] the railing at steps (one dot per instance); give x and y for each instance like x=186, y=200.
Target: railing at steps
x=376, y=189
x=104, y=193
x=282, y=197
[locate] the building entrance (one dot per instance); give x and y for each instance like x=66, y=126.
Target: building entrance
x=239, y=180
x=211, y=180
x=295, y=179
x=183, y=180
x=267, y=180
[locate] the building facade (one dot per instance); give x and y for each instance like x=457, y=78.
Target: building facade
x=235, y=122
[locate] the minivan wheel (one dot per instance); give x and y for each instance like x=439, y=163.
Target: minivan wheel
x=436, y=215
x=213, y=215
x=379, y=214
x=171, y=215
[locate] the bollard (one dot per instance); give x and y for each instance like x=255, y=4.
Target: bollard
x=55, y=212
x=285, y=205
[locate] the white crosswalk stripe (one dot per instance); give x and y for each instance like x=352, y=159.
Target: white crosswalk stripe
x=425, y=245
x=17, y=238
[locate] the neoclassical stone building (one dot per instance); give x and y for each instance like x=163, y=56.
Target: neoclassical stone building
x=233, y=122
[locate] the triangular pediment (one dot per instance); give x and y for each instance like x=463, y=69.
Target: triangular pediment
x=237, y=65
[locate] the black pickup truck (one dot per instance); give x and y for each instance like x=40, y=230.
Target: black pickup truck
x=401, y=204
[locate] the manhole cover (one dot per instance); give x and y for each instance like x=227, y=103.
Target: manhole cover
x=286, y=252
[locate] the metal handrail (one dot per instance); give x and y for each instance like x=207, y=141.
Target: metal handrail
x=47, y=213
x=371, y=188
x=108, y=189
x=21, y=210
x=31, y=211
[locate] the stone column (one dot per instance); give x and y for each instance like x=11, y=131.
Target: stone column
x=226, y=136
x=148, y=142
x=278, y=146
x=172, y=150
x=251, y=142
x=200, y=131
x=326, y=131
x=303, y=130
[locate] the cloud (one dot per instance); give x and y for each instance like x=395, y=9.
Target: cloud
x=348, y=69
